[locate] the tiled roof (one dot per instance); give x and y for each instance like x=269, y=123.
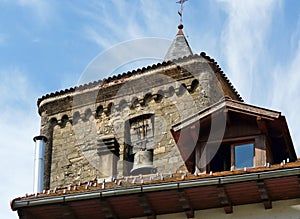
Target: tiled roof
x=153, y=179
x=164, y=194
x=141, y=71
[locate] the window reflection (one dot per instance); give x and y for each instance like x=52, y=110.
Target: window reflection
x=244, y=155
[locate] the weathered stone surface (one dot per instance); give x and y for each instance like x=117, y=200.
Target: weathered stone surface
x=72, y=150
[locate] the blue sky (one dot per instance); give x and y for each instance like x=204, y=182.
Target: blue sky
x=46, y=45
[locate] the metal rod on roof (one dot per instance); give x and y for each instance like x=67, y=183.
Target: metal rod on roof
x=39, y=163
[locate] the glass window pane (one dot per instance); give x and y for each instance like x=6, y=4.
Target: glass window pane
x=244, y=156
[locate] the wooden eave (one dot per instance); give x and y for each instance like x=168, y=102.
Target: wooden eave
x=222, y=190
x=230, y=105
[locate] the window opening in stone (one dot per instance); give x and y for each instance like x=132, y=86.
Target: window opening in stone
x=87, y=114
x=181, y=90
x=159, y=96
x=64, y=120
x=122, y=105
x=53, y=121
x=147, y=99
x=171, y=91
x=140, y=143
x=194, y=85
x=99, y=111
x=134, y=103
x=76, y=117
x=110, y=108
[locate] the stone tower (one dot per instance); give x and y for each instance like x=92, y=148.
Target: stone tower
x=120, y=125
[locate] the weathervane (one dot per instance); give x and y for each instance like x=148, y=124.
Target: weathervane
x=181, y=2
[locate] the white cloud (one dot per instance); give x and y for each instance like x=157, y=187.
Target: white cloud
x=42, y=9
x=96, y=37
x=18, y=124
x=100, y=21
x=285, y=94
x=296, y=34
x=248, y=63
x=244, y=40
x=129, y=21
x=160, y=17
x=13, y=81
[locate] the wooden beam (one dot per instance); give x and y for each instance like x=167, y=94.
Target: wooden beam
x=262, y=125
x=68, y=211
x=227, y=116
x=107, y=209
x=251, y=114
x=244, y=138
x=25, y=214
x=146, y=206
x=185, y=203
x=260, y=154
x=224, y=199
x=264, y=194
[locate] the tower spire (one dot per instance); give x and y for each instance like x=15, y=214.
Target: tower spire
x=180, y=46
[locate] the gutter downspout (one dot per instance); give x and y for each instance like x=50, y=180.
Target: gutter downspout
x=39, y=163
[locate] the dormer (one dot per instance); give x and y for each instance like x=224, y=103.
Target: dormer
x=232, y=135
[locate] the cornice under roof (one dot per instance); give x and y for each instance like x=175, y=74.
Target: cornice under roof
x=138, y=71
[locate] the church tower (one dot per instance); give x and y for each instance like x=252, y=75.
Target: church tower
x=175, y=137
x=120, y=126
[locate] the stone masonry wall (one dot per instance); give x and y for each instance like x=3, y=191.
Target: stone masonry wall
x=75, y=125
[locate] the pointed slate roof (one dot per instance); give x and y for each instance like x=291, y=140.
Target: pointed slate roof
x=179, y=47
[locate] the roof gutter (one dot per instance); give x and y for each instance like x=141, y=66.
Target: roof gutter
x=19, y=203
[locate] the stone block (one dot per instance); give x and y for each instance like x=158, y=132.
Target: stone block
x=159, y=150
x=173, y=160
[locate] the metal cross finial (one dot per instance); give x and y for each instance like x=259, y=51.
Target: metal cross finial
x=181, y=2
